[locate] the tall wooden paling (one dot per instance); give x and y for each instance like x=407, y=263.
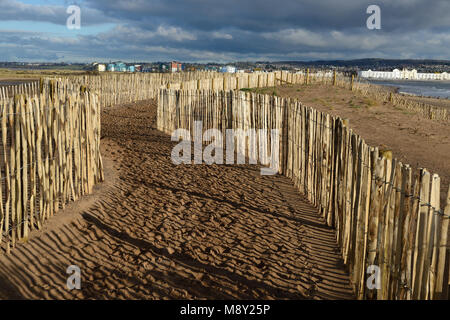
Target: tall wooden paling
x=419, y=254
x=433, y=230
x=441, y=270
x=405, y=219
x=18, y=163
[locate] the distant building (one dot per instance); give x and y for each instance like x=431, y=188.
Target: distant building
x=121, y=67
x=318, y=74
x=228, y=69
x=98, y=67
x=176, y=66
x=404, y=74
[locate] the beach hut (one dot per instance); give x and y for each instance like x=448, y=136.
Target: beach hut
x=121, y=67
x=100, y=67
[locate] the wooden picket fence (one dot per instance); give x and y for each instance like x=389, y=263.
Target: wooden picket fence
x=119, y=88
x=27, y=88
x=331, y=78
x=373, y=91
x=381, y=93
x=223, y=81
x=385, y=214
x=49, y=155
x=238, y=81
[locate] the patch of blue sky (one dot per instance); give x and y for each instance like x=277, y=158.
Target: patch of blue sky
x=54, y=29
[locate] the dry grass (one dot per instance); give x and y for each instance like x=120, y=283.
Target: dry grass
x=268, y=90
x=18, y=74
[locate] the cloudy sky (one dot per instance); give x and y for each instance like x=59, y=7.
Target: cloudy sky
x=223, y=31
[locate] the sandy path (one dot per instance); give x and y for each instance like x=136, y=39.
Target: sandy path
x=157, y=231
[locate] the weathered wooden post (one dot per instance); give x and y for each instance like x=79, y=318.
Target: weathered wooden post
x=441, y=290
x=346, y=122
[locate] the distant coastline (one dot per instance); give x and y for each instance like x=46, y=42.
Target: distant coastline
x=429, y=88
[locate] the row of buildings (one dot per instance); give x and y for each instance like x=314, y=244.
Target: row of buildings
x=173, y=67
x=404, y=74
x=232, y=69
x=318, y=74
x=117, y=67
x=123, y=67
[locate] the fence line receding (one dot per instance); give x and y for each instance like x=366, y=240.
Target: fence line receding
x=385, y=214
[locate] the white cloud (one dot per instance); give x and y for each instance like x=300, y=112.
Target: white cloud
x=220, y=35
x=174, y=33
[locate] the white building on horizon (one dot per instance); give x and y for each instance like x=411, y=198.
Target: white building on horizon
x=404, y=74
x=228, y=69
x=319, y=74
x=100, y=67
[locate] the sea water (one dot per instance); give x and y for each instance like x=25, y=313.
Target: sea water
x=431, y=88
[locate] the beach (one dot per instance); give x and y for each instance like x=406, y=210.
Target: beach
x=434, y=89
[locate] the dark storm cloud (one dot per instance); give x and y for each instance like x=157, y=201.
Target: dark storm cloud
x=272, y=15
x=206, y=30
